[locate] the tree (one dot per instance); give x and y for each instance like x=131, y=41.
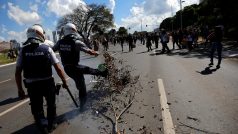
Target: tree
x=96, y=18
x=112, y=33
x=122, y=31
x=166, y=24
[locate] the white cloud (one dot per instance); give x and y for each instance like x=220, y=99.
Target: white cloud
x=136, y=10
x=62, y=7
x=151, y=13
x=34, y=7
x=22, y=17
x=112, y=5
x=156, y=7
x=18, y=36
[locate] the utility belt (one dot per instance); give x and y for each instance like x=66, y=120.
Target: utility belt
x=28, y=83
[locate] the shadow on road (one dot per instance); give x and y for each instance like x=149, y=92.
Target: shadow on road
x=142, y=52
x=207, y=71
x=9, y=100
x=198, y=53
x=30, y=129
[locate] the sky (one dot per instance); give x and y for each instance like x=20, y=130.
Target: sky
x=17, y=15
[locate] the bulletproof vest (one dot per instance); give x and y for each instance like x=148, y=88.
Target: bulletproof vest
x=36, y=61
x=68, y=52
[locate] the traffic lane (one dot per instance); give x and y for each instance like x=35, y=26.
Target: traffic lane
x=8, y=95
x=207, y=102
x=7, y=72
x=8, y=90
x=146, y=111
x=17, y=120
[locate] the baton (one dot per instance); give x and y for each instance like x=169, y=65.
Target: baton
x=72, y=97
x=58, y=86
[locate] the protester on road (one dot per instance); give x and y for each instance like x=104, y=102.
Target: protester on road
x=69, y=48
x=164, y=41
x=156, y=39
x=121, y=42
x=216, y=37
x=148, y=42
x=190, y=41
x=105, y=43
x=130, y=42
x=35, y=61
x=175, y=38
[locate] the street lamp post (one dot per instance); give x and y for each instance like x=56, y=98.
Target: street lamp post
x=181, y=10
x=141, y=25
x=172, y=18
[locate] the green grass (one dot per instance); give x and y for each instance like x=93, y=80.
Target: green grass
x=4, y=59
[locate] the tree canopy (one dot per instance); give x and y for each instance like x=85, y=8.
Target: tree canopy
x=96, y=18
x=208, y=13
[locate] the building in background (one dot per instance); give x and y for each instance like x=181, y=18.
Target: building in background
x=55, y=36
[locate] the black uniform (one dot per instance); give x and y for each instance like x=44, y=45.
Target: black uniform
x=36, y=60
x=69, y=48
x=216, y=39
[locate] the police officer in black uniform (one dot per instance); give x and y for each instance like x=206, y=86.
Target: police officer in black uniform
x=69, y=48
x=36, y=60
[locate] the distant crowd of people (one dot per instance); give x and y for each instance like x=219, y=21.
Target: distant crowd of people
x=189, y=39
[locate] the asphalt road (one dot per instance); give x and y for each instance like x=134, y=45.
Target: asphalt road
x=201, y=100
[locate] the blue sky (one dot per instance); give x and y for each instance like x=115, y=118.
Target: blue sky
x=17, y=15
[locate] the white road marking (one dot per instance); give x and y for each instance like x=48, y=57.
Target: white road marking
x=17, y=105
x=14, y=107
x=5, y=81
x=7, y=64
x=166, y=115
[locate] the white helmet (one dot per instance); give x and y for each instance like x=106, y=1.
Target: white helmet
x=36, y=31
x=69, y=28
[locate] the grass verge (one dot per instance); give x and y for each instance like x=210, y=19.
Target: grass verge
x=4, y=59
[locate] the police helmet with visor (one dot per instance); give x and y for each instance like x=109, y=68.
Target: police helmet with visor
x=69, y=28
x=37, y=32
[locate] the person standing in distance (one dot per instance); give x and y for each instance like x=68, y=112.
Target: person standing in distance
x=216, y=38
x=164, y=41
x=69, y=48
x=35, y=61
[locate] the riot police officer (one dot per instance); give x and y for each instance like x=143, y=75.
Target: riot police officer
x=69, y=48
x=36, y=60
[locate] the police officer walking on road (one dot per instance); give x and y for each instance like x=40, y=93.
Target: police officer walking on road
x=69, y=48
x=36, y=60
